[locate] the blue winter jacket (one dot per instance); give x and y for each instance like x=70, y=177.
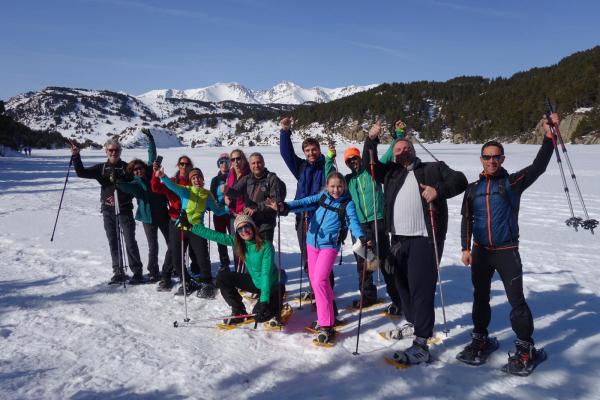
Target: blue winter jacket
x=310, y=177
x=324, y=225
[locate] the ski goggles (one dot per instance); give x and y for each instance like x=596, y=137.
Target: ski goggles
x=244, y=228
x=222, y=161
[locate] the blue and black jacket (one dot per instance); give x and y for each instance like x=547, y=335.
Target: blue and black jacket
x=310, y=177
x=490, y=209
x=325, y=226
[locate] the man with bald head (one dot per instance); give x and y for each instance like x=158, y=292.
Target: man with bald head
x=410, y=186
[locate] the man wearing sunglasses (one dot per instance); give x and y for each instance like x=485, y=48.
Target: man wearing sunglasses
x=108, y=174
x=490, y=216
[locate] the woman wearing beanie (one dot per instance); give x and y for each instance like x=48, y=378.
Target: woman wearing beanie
x=194, y=201
x=262, y=276
x=333, y=211
x=221, y=221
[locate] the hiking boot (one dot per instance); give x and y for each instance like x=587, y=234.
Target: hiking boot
x=118, y=278
x=477, y=352
x=393, y=310
x=207, y=291
x=165, y=284
x=405, y=331
x=367, y=302
x=189, y=288
x=153, y=276
x=416, y=354
x=325, y=335
x=137, y=279
x=522, y=359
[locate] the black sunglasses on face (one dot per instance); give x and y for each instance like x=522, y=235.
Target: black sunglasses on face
x=244, y=228
x=496, y=157
x=236, y=159
x=351, y=159
x=184, y=164
x=112, y=150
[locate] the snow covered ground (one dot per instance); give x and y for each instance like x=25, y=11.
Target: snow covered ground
x=65, y=334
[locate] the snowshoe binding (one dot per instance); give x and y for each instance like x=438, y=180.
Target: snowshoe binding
x=478, y=351
x=524, y=360
x=325, y=337
x=405, y=331
x=418, y=353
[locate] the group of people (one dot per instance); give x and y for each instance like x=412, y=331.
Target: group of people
x=394, y=206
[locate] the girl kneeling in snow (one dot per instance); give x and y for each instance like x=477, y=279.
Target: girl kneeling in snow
x=195, y=200
x=262, y=277
x=334, y=211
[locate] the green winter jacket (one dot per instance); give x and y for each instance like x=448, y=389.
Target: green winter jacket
x=360, y=187
x=260, y=263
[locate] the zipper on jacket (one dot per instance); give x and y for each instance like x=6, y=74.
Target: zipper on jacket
x=487, y=204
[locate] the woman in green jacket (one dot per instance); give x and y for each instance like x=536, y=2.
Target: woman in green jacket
x=262, y=276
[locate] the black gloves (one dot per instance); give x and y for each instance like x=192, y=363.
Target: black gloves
x=183, y=221
x=263, y=312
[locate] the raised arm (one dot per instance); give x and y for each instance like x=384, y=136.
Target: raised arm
x=181, y=191
x=213, y=236
x=286, y=148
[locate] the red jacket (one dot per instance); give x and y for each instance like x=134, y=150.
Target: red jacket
x=238, y=203
x=174, y=201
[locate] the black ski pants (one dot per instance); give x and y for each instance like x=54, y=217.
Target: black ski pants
x=222, y=225
x=230, y=281
x=508, y=264
x=415, y=270
x=197, y=253
x=151, y=231
x=114, y=241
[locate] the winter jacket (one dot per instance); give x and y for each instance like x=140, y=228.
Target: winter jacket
x=195, y=201
x=216, y=184
x=360, y=187
x=237, y=202
x=173, y=200
x=102, y=172
x=260, y=263
x=491, y=204
x=447, y=182
x=310, y=177
x=325, y=225
x=152, y=207
x=256, y=191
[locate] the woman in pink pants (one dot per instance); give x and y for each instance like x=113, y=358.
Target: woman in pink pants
x=334, y=213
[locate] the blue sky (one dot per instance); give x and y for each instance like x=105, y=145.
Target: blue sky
x=137, y=45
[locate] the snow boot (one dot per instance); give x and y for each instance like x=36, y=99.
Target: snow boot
x=367, y=302
x=189, y=288
x=325, y=335
x=137, y=279
x=153, y=276
x=393, y=310
x=406, y=330
x=478, y=351
x=207, y=291
x=118, y=278
x=525, y=359
x=165, y=284
x=416, y=354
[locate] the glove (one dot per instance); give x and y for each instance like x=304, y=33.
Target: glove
x=331, y=153
x=365, y=242
x=183, y=222
x=146, y=132
x=262, y=311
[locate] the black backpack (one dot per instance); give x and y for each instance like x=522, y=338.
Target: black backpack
x=341, y=212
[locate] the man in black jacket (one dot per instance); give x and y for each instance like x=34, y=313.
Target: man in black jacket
x=259, y=185
x=107, y=174
x=490, y=215
x=410, y=186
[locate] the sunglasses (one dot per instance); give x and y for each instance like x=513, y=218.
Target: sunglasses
x=236, y=159
x=112, y=150
x=223, y=161
x=496, y=157
x=244, y=228
x=184, y=164
x=351, y=159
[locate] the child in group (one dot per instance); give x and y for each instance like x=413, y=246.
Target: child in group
x=333, y=212
x=262, y=277
x=195, y=200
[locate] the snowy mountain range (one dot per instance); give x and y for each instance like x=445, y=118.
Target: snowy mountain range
x=282, y=93
x=223, y=113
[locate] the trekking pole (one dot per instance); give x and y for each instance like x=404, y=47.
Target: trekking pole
x=437, y=263
x=373, y=183
x=183, y=271
x=176, y=324
x=424, y=148
x=208, y=241
x=360, y=308
x=279, y=265
x=590, y=224
x=61, y=198
x=119, y=237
